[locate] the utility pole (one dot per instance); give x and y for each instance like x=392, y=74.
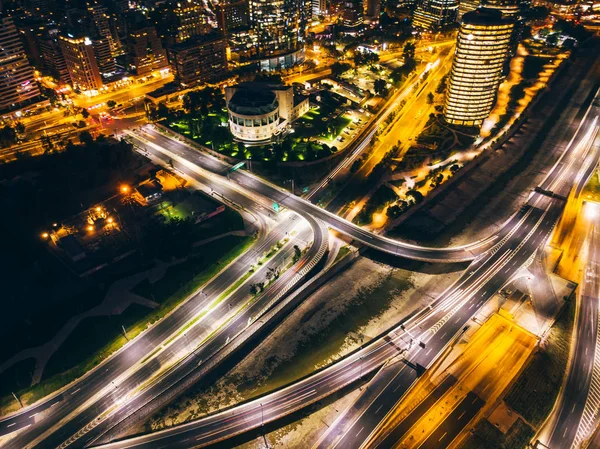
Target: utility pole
x=124, y=332
x=17, y=398
x=262, y=424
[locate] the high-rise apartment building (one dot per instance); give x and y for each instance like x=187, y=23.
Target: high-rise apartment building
x=482, y=48
x=231, y=15
x=279, y=28
x=101, y=22
x=36, y=8
x=52, y=55
x=104, y=57
x=511, y=10
x=17, y=85
x=146, y=51
x=81, y=61
x=192, y=20
x=353, y=13
x=435, y=14
x=198, y=59
x=465, y=6
x=105, y=42
x=319, y=7
x=32, y=31
x=373, y=10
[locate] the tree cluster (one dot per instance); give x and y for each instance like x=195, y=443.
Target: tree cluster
x=365, y=58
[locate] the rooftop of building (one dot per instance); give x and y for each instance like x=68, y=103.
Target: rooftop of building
x=252, y=101
x=484, y=16
x=196, y=40
x=261, y=86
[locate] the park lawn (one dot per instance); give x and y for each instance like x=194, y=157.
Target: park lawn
x=486, y=436
x=179, y=282
x=183, y=279
x=592, y=188
x=342, y=253
x=312, y=123
x=17, y=377
x=99, y=335
x=536, y=390
x=227, y=221
x=321, y=345
x=41, y=321
x=340, y=123
x=89, y=337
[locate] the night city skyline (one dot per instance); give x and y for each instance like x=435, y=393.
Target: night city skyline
x=300, y=224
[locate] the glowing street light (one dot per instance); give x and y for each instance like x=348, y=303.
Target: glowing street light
x=124, y=189
x=45, y=235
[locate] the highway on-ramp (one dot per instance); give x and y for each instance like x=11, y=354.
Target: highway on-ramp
x=149, y=137
x=115, y=382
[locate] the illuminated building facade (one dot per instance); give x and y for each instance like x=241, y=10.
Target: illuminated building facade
x=373, y=10
x=259, y=111
x=81, y=62
x=102, y=26
x=192, y=20
x=17, y=85
x=319, y=7
x=465, y=6
x=353, y=13
x=279, y=29
x=435, y=14
x=482, y=48
x=200, y=59
x=511, y=10
x=231, y=15
x=146, y=51
x=52, y=56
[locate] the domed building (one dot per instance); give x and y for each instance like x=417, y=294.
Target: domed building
x=259, y=111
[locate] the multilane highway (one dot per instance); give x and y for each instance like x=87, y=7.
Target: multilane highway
x=418, y=340
x=150, y=138
x=113, y=386
x=576, y=411
x=88, y=395
x=573, y=168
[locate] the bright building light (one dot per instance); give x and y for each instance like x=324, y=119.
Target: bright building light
x=591, y=211
x=482, y=48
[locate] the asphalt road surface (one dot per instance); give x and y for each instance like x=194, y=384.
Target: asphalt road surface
x=574, y=396
x=110, y=383
x=572, y=169
x=420, y=339
x=247, y=180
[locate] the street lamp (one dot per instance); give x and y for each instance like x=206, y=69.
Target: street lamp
x=262, y=416
x=361, y=367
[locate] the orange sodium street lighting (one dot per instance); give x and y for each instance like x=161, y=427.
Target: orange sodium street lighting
x=125, y=189
x=45, y=235
x=90, y=228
